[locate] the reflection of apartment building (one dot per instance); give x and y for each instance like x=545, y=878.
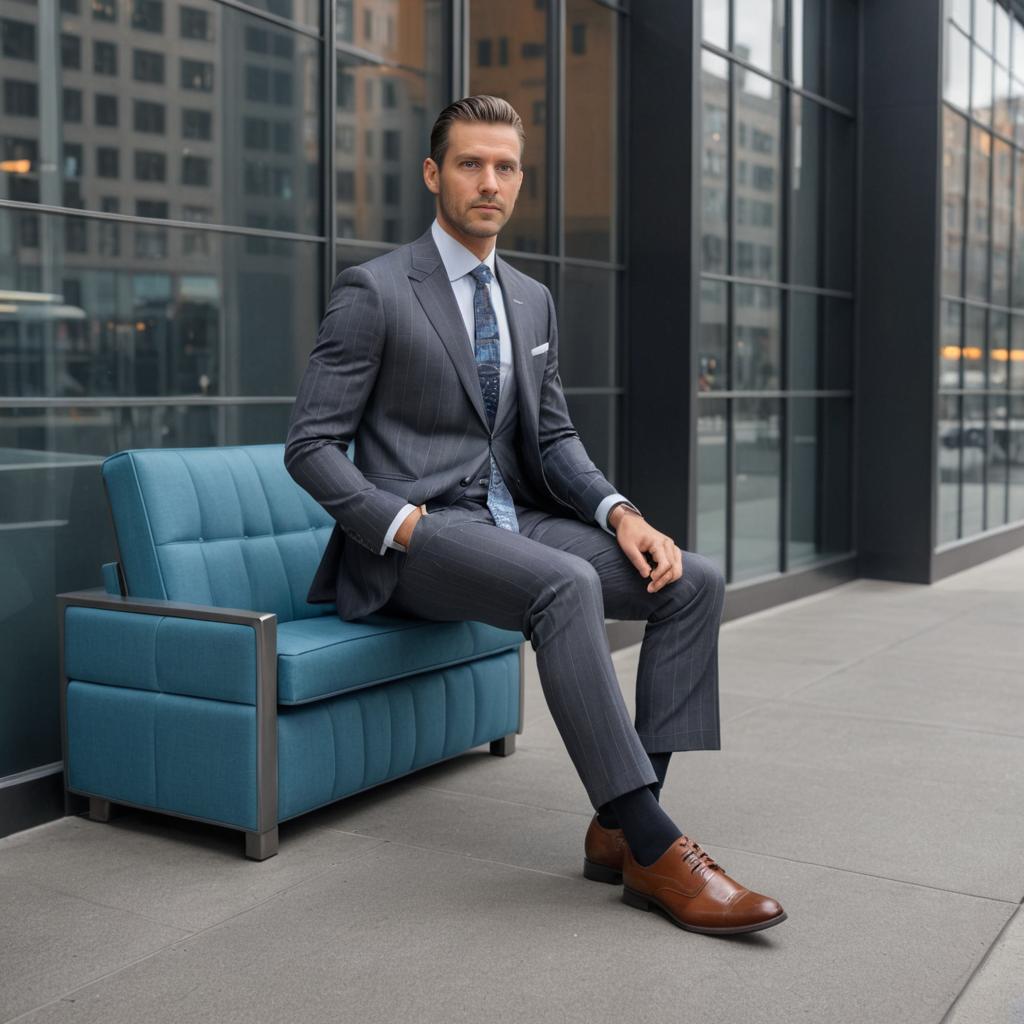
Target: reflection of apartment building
x=188, y=112
x=387, y=99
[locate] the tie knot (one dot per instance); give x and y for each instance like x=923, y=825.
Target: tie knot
x=482, y=274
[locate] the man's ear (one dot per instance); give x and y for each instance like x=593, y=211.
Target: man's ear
x=432, y=175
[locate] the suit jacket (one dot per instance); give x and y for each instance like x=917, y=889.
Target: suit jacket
x=394, y=371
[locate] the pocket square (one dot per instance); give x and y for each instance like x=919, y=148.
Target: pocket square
x=537, y=349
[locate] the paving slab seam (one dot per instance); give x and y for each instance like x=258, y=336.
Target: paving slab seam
x=704, y=842
x=866, y=716
x=185, y=938
x=947, y=1016
x=863, y=874
x=43, y=887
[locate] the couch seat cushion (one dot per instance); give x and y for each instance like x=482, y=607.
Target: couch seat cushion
x=319, y=657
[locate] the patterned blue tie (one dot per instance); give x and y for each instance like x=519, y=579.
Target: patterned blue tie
x=488, y=367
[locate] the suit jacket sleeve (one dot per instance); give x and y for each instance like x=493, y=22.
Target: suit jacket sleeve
x=339, y=379
x=569, y=471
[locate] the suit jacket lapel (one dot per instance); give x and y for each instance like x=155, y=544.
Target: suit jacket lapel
x=432, y=288
x=518, y=320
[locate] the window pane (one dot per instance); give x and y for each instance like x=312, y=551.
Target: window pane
x=279, y=189
x=960, y=12
x=712, y=357
x=999, y=343
x=1018, y=233
x=1016, y=370
x=840, y=172
x=975, y=455
x=587, y=327
x=715, y=164
x=1002, y=200
x=1016, y=457
x=805, y=331
x=756, y=501
x=716, y=22
x=978, y=219
x=819, y=479
x=806, y=43
x=975, y=347
x=190, y=313
x=954, y=168
x=806, y=192
x=712, y=450
x=383, y=120
x=591, y=131
x=524, y=81
x=949, y=468
x=998, y=460
x=842, y=30
x=981, y=87
x=956, y=69
x=758, y=177
x=756, y=354
x=984, y=23
x=759, y=33
x=949, y=355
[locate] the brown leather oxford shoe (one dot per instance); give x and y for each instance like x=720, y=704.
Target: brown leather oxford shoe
x=602, y=853
x=695, y=893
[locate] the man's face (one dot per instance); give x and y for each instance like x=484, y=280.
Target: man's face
x=479, y=178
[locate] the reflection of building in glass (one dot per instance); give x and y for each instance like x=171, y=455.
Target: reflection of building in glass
x=169, y=111
x=388, y=96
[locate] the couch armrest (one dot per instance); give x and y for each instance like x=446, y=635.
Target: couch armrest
x=150, y=644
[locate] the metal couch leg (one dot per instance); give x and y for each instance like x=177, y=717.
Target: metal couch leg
x=100, y=809
x=261, y=845
x=504, y=746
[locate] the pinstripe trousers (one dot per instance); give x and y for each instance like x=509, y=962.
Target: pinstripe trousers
x=556, y=580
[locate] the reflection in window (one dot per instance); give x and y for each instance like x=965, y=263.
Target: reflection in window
x=757, y=351
x=954, y=167
x=591, y=131
x=978, y=216
x=756, y=501
x=524, y=82
x=759, y=111
x=714, y=163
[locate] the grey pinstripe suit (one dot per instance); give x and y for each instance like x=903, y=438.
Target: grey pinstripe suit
x=394, y=370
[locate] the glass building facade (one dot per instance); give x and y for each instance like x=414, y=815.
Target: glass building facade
x=775, y=373
x=980, y=423
x=785, y=240
x=179, y=185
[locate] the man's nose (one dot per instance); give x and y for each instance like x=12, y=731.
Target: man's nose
x=488, y=180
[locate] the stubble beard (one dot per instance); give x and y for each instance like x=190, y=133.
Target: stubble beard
x=478, y=229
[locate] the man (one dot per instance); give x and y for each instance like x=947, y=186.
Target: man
x=471, y=497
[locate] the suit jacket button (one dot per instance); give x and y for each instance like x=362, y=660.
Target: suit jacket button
x=466, y=481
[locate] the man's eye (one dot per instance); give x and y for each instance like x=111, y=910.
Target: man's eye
x=468, y=163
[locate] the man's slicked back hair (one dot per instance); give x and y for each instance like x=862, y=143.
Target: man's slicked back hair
x=482, y=109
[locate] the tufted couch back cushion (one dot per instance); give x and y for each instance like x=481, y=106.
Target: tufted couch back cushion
x=217, y=526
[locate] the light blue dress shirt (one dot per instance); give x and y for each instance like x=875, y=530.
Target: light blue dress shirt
x=458, y=262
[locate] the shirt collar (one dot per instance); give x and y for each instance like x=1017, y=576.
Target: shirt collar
x=457, y=259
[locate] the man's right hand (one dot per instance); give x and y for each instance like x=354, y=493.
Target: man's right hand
x=404, y=533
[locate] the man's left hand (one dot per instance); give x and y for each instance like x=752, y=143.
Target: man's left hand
x=636, y=537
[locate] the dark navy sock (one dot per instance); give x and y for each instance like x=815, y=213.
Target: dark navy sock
x=648, y=829
x=606, y=817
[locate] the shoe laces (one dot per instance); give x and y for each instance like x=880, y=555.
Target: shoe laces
x=698, y=858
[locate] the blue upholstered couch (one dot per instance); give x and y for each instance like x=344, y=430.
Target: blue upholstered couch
x=201, y=683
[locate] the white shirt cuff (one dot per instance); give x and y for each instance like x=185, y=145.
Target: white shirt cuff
x=601, y=515
x=389, y=537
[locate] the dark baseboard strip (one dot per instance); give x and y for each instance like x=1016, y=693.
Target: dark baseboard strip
x=969, y=553
x=32, y=802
